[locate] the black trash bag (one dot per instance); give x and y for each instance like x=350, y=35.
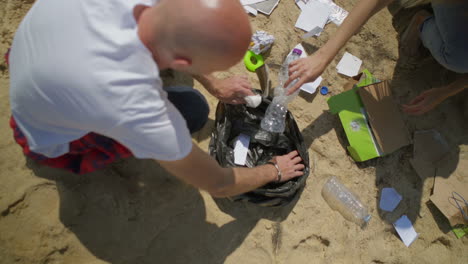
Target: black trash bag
x=232, y=120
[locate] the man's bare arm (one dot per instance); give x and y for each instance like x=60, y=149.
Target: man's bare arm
x=202, y=171
x=231, y=90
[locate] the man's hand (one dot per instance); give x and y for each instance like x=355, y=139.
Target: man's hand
x=290, y=165
x=232, y=90
x=425, y=102
x=306, y=70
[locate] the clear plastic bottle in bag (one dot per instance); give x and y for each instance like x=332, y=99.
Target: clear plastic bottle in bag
x=275, y=115
x=341, y=199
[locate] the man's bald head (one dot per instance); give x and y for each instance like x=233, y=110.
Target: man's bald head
x=199, y=36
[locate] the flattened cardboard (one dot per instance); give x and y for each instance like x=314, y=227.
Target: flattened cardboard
x=384, y=117
x=442, y=198
x=430, y=146
x=424, y=169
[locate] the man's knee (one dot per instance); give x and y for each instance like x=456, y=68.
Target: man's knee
x=191, y=104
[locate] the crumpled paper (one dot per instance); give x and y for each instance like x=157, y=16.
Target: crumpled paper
x=261, y=42
x=338, y=14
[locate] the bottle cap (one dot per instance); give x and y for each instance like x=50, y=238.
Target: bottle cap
x=324, y=90
x=297, y=51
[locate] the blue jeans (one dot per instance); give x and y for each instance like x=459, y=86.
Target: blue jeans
x=445, y=34
x=191, y=104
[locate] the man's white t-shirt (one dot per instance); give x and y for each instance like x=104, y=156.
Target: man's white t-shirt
x=78, y=67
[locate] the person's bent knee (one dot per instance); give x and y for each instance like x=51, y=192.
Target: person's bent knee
x=458, y=62
x=191, y=104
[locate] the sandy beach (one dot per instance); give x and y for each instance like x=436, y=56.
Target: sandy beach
x=51, y=216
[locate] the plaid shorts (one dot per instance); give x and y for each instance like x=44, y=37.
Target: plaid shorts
x=86, y=154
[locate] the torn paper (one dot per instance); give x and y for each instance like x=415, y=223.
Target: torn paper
x=405, y=230
x=266, y=7
x=250, y=10
x=250, y=2
x=261, y=42
x=349, y=65
x=314, y=32
x=337, y=13
x=314, y=14
x=389, y=199
x=241, y=148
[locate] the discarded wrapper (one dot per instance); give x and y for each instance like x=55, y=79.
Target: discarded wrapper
x=261, y=42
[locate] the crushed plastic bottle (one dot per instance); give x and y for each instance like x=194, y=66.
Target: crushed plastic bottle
x=275, y=115
x=341, y=199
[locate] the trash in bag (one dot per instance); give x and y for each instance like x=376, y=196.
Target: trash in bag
x=231, y=121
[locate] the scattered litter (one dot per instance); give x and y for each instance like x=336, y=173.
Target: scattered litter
x=347, y=203
x=389, y=199
x=241, y=148
x=261, y=41
x=314, y=14
x=301, y=3
x=371, y=104
x=349, y=65
x=449, y=197
x=266, y=7
x=262, y=6
x=324, y=90
x=250, y=2
x=250, y=10
x=430, y=148
x=406, y=230
x=337, y=14
x=314, y=32
x=309, y=87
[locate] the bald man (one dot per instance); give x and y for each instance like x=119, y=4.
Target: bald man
x=85, y=87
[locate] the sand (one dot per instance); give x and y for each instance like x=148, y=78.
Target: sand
x=50, y=216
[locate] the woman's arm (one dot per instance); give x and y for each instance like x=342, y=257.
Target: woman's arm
x=308, y=69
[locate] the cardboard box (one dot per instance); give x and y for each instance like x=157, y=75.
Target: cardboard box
x=371, y=119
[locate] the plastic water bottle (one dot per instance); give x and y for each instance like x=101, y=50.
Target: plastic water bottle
x=341, y=199
x=275, y=115
x=284, y=75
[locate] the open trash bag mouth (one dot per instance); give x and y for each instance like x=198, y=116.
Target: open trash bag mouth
x=233, y=120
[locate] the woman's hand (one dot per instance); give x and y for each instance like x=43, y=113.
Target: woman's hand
x=425, y=102
x=232, y=90
x=290, y=165
x=305, y=70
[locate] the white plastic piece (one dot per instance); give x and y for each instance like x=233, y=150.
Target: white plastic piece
x=253, y=100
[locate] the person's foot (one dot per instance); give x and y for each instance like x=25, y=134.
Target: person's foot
x=410, y=40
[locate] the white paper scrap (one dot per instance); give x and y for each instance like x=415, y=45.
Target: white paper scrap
x=250, y=10
x=405, y=230
x=249, y=2
x=266, y=7
x=262, y=41
x=389, y=199
x=309, y=87
x=337, y=14
x=314, y=32
x=314, y=14
x=241, y=148
x=301, y=3
x=349, y=65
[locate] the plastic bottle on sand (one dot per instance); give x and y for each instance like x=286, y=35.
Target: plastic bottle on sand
x=341, y=199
